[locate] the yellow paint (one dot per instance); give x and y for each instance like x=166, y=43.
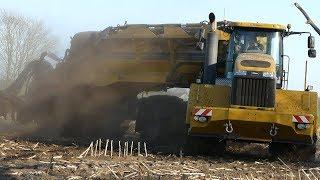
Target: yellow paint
x=253, y=124
x=259, y=25
x=223, y=35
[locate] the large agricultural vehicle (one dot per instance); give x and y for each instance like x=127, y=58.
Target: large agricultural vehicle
x=108, y=77
x=242, y=96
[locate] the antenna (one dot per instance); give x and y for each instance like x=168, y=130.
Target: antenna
x=224, y=13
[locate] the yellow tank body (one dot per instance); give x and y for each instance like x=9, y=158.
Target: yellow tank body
x=127, y=60
x=252, y=123
x=130, y=59
x=139, y=54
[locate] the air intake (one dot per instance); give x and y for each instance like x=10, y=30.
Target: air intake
x=253, y=92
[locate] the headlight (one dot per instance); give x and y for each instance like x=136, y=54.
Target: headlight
x=302, y=126
x=240, y=73
x=202, y=119
x=269, y=74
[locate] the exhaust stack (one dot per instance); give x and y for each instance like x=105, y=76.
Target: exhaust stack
x=211, y=53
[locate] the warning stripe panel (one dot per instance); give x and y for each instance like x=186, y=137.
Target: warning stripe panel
x=203, y=112
x=199, y=112
x=301, y=119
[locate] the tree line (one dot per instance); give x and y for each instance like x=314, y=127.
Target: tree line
x=22, y=39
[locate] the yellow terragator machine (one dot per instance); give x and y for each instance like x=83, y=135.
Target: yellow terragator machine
x=244, y=96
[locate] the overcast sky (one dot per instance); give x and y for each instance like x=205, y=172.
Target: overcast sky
x=65, y=18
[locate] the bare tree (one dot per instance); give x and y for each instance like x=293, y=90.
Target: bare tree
x=22, y=39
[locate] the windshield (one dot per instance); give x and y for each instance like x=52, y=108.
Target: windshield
x=265, y=42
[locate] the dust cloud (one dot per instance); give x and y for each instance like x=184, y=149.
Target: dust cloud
x=93, y=92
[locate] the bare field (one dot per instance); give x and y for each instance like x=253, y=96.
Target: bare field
x=29, y=159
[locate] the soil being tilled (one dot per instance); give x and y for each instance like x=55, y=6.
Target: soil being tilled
x=46, y=159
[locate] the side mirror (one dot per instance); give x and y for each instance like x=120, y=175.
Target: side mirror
x=312, y=53
x=311, y=42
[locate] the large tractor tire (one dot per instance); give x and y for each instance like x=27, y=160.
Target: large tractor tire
x=161, y=122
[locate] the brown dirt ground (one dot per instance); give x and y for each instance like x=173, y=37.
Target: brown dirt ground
x=36, y=158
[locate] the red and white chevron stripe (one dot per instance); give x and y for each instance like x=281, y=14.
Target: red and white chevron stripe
x=301, y=119
x=202, y=112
